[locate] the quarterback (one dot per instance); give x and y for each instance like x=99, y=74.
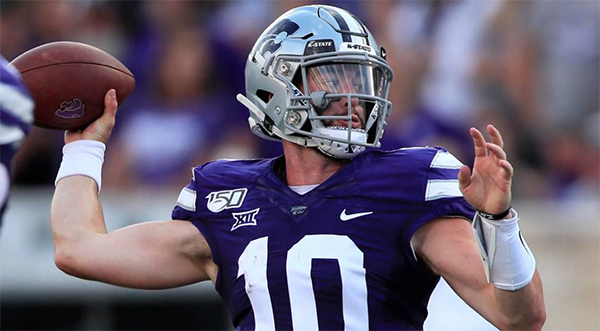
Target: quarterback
x=334, y=234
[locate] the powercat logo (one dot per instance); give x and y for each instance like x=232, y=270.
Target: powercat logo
x=71, y=109
x=277, y=34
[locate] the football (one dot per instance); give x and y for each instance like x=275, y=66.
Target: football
x=68, y=81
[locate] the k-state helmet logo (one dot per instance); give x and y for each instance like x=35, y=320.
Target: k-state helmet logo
x=320, y=43
x=353, y=47
x=359, y=47
x=228, y=199
x=247, y=218
x=319, y=46
x=71, y=109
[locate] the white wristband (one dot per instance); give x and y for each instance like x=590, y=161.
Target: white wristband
x=507, y=260
x=82, y=157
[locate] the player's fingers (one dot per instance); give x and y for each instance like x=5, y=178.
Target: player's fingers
x=102, y=128
x=508, y=169
x=495, y=135
x=496, y=150
x=68, y=137
x=110, y=109
x=464, y=176
x=110, y=102
x=478, y=142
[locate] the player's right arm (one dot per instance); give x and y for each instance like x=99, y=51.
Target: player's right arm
x=149, y=255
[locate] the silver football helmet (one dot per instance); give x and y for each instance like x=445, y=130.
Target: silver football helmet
x=317, y=77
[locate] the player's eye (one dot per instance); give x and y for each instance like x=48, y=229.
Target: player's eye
x=332, y=82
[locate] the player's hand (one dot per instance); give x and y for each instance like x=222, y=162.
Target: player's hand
x=100, y=129
x=488, y=186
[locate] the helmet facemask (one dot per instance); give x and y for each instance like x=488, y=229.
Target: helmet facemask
x=340, y=102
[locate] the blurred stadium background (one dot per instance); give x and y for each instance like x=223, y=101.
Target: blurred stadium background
x=530, y=67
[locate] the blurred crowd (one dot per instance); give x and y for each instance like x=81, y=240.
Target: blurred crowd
x=529, y=67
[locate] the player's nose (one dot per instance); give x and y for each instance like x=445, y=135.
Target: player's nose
x=353, y=102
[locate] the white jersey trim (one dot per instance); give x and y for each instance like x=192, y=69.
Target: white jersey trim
x=442, y=188
x=445, y=160
x=187, y=199
x=303, y=189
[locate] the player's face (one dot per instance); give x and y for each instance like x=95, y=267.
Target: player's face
x=341, y=78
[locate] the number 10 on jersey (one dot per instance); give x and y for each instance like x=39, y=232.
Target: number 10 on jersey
x=253, y=266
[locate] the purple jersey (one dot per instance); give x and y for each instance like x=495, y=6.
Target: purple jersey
x=338, y=257
x=16, y=115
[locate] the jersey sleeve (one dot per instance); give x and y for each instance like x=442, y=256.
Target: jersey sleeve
x=187, y=209
x=441, y=196
x=216, y=190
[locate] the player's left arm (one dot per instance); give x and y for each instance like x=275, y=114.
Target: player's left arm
x=514, y=299
x=448, y=248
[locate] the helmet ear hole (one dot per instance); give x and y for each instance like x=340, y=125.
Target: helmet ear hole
x=297, y=79
x=265, y=96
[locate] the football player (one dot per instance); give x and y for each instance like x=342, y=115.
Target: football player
x=16, y=116
x=329, y=236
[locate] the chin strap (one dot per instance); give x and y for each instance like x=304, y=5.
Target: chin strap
x=339, y=150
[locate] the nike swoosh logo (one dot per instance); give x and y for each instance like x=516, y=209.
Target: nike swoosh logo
x=346, y=217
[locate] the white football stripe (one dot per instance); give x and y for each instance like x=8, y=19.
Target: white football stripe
x=445, y=160
x=16, y=103
x=442, y=188
x=187, y=199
